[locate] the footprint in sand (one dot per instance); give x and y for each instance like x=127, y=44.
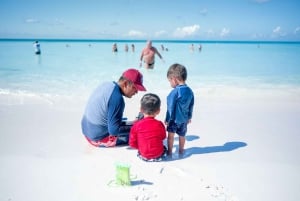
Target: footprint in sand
x=219, y=192
x=144, y=194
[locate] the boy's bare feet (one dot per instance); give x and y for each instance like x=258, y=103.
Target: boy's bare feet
x=181, y=152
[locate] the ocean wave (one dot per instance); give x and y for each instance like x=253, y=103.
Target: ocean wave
x=10, y=97
x=21, y=97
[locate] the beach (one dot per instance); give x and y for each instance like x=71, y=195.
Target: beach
x=242, y=143
x=238, y=148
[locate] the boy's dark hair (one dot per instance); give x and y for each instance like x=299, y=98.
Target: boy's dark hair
x=178, y=71
x=150, y=103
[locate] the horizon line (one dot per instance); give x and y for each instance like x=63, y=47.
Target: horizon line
x=144, y=40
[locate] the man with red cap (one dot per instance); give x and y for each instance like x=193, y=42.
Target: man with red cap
x=102, y=123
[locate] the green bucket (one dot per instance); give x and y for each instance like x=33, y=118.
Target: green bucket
x=123, y=174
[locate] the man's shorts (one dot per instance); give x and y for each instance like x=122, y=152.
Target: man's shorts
x=110, y=141
x=180, y=129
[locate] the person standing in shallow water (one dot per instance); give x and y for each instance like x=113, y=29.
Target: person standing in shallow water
x=37, y=47
x=148, y=55
x=115, y=47
x=126, y=48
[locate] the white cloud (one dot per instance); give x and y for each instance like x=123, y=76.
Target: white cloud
x=56, y=22
x=134, y=33
x=203, y=12
x=210, y=33
x=30, y=20
x=276, y=30
x=225, y=32
x=297, y=30
x=160, y=33
x=258, y=36
x=182, y=32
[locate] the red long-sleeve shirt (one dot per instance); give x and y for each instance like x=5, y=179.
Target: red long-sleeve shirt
x=147, y=136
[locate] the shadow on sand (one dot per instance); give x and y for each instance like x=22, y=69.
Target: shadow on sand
x=140, y=182
x=228, y=146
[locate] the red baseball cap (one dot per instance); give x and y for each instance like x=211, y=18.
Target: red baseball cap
x=136, y=77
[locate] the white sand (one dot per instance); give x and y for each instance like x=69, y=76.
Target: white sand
x=239, y=147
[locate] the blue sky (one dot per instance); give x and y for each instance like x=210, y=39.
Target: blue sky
x=155, y=19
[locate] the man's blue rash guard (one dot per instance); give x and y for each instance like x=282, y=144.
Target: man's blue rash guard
x=104, y=111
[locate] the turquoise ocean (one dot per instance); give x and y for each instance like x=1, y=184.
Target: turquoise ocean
x=71, y=69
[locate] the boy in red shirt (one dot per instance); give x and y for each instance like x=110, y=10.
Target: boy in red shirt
x=147, y=135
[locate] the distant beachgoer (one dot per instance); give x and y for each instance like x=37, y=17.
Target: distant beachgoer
x=37, y=47
x=162, y=47
x=132, y=47
x=147, y=134
x=200, y=47
x=126, y=48
x=115, y=47
x=148, y=55
x=102, y=122
x=180, y=103
x=192, y=47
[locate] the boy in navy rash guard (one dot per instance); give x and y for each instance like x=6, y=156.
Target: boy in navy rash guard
x=102, y=119
x=180, y=103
